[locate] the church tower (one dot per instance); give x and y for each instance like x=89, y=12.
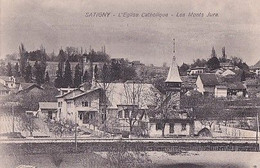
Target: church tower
x=173, y=83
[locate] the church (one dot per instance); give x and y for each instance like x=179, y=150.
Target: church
x=171, y=120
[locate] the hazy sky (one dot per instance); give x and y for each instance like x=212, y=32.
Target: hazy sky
x=56, y=24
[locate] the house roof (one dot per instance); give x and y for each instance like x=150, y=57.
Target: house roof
x=28, y=85
x=236, y=85
x=48, y=105
x=122, y=93
x=6, y=78
x=77, y=89
x=84, y=93
x=209, y=79
x=3, y=87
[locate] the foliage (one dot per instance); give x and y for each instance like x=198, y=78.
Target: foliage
x=77, y=76
x=213, y=63
x=59, y=76
x=16, y=70
x=183, y=69
x=213, y=53
x=199, y=63
x=28, y=74
x=67, y=78
x=122, y=157
x=62, y=127
x=9, y=69
x=23, y=58
x=47, y=78
x=27, y=123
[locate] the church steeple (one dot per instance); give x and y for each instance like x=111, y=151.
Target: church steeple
x=173, y=74
x=173, y=81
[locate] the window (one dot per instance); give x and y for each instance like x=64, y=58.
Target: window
x=159, y=126
x=126, y=114
x=85, y=104
x=120, y=114
x=172, y=128
x=183, y=126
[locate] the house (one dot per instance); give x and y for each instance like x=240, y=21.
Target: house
x=256, y=68
x=236, y=89
x=178, y=121
x=8, y=81
x=4, y=90
x=227, y=65
x=197, y=70
x=221, y=91
x=48, y=110
x=217, y=86
x=253, y=87
x=188, y=83
x=228, y=72
x=29, y=87
x=206, y=83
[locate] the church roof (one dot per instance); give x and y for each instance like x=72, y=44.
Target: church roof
x=173, y=74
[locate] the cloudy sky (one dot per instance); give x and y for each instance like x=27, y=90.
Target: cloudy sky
x=56, y=24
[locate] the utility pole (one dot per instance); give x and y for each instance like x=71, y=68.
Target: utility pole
x=13, y=117
x=257, y=129
x=76, y=143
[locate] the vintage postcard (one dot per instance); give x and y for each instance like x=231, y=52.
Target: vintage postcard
x=135, y=83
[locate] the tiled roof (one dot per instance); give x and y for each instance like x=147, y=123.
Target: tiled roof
x=235, y=85
x=209, y=79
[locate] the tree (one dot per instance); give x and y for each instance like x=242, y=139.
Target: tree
x=28, y=73
x=67, y=78
x=77, y=76
x=213, y=63
x=38, y=74
x=213, y=53
x=28, y=124
x=199, y=63
x=105, y=80
x=183, y=69
x=23, y=59
x=86, y=77
x=9, y=69
x=16, y=70
x=47, y=78
x=132, y=93
x=59, y=76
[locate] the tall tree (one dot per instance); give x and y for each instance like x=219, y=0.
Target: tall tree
x=77, y=76
x=28, y=73
x=37, y=73
x=47, y=78
x=67, y=78
x=23, y=59
x=86, y=77
x=59, y=76
x=224, y=53
x=16, y=70
x=213, y=53
x=9, y=69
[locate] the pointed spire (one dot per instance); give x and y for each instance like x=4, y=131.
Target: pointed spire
x=173, y=74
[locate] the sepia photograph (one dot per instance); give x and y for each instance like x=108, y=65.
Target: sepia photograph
x=134, y=83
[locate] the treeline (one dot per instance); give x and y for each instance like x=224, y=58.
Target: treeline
x=110, y=71
x=214, y=62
